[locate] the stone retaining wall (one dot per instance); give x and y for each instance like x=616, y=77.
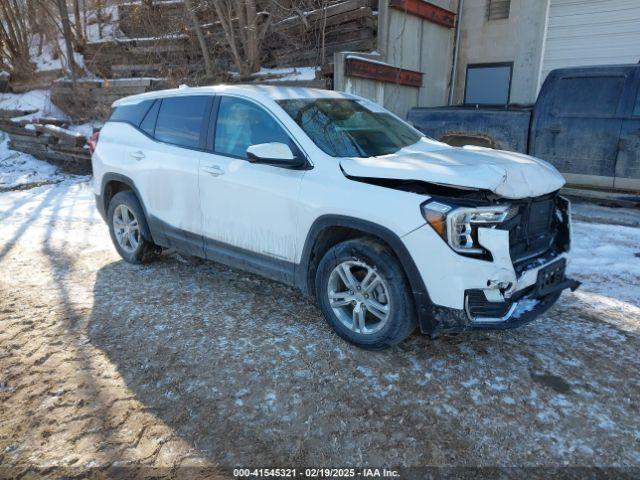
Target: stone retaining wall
x=91, y=99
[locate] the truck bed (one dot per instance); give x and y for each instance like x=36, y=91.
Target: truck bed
x=504, y=129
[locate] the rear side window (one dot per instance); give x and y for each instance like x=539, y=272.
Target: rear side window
x=180, y=120
x=636, y=110
x=132, y=114
x=148, y=125
x=588, y=95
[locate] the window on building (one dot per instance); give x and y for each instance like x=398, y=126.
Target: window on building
x=587, y=95
x=498, y=9
x=180, y=120
x=488, y=84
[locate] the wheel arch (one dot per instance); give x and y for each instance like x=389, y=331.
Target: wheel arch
x=113, y=183
x=329, y=230
x=476, y=139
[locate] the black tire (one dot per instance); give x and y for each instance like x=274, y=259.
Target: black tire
x=146, y=251
x=401, y=320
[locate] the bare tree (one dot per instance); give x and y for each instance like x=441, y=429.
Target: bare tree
x=14, y=37
x=100, y=15
x=78, y=23
x=244, y=29
x=193, y=17
x=68, y=37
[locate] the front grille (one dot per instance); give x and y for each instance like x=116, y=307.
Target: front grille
x=533, y=229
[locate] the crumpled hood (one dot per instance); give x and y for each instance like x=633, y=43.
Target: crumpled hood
x=508, y=174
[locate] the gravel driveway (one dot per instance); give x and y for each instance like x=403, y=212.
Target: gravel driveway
x=189, y=363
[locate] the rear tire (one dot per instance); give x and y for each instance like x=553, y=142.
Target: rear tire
x=127, y=227
x=364, y=295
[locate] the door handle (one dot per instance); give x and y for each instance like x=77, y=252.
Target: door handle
x=555, y=129
x=139, y=155
x=214, y=170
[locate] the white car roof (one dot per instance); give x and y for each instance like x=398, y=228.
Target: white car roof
x=258, y=92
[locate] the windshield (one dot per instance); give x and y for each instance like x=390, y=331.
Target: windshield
x=350, y=128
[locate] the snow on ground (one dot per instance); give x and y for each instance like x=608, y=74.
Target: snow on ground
x=39, y=100
x=19, y=169
x=49, y=58
x=108, y=29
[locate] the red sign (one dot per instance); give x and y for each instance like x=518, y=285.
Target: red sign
x=426, y=10
x=363, y=68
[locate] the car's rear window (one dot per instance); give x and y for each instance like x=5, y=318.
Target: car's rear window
x=132, y=114
x=180, y=120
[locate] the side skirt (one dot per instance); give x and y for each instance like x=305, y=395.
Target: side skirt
x=235, y=257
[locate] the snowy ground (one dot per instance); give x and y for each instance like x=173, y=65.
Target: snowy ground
x=183, y=362
x=39, y=100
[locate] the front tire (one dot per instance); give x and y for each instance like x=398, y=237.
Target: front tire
x=127, y=225
x=364, y=295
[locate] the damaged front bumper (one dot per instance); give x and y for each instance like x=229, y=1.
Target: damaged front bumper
x=471, y=294
x=521, y=308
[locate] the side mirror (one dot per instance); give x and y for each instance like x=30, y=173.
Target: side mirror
x=278, y=154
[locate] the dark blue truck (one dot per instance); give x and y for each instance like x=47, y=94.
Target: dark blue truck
x=586, y=122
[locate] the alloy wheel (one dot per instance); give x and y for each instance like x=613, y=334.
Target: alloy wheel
x=126, y=228
x=359, y=297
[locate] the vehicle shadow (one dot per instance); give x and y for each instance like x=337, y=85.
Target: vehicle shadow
x=247, y=372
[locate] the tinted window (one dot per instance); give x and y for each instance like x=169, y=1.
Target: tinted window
x=149, y=122
x=588, y=95
x=241, y=124
x=487, y=85
x=180, y=120
x=350, y=128
x=636, y=110
x=131, y=113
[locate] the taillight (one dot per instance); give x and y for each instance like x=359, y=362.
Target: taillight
x=93, y=141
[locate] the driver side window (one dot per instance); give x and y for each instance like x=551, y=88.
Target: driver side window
x=240, y=124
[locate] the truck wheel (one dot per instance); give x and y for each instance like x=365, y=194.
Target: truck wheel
x=363, y=294
x=126, y=226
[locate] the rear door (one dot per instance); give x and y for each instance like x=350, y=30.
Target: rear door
x=579, y=128
x=167, y=161
x=628, y=164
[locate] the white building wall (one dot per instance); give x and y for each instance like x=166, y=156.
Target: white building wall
x=516, y=39
x=591, y=32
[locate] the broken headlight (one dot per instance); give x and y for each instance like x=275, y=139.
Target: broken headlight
x=458, y=226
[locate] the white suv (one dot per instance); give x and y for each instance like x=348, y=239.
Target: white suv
x=329, y=192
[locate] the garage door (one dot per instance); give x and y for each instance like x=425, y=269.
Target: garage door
x=591, y=32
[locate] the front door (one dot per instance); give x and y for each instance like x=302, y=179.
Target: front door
x=249, y=211
x=579, y=131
